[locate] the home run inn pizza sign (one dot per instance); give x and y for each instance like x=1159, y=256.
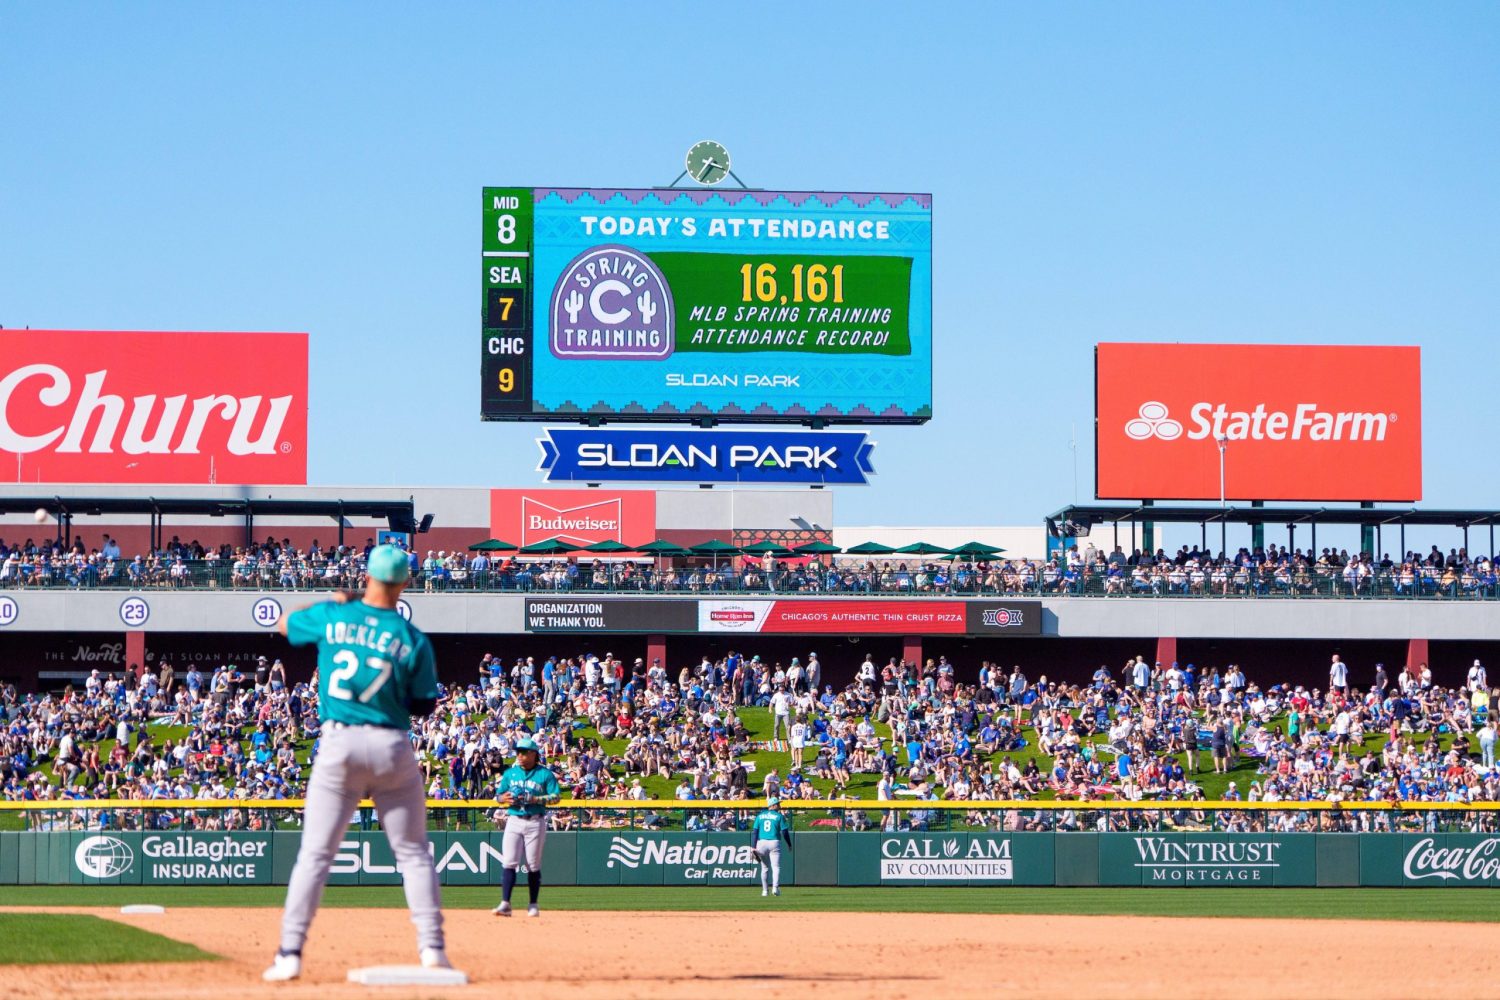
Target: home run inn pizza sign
x=675, y=304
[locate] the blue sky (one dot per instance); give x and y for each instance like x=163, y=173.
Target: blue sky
x=1320, y=173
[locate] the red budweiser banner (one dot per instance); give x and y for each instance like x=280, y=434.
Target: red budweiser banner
x=580, y=517
x=86, y=406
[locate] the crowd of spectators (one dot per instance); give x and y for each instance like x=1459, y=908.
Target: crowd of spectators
x=273, y=565
x=611, y=730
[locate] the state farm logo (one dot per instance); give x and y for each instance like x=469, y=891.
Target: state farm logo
x=39, y=410
x=1306, y=421
x=1153, y=422
x=584, y=524
x=1003, y=617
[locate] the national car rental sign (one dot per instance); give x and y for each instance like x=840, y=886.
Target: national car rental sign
x=90, y=406
x=1296, y=422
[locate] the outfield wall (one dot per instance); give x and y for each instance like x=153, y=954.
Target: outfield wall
x=634, y=857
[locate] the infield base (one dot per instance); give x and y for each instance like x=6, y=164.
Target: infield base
x=406, y=975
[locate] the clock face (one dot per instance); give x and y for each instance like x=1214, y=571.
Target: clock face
x=708, y=162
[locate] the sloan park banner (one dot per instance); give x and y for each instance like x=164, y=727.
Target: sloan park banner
x=758, y=457
x=675, y=305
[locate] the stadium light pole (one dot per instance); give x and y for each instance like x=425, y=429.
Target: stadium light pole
x=1222, y=442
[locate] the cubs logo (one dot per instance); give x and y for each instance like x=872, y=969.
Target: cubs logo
x=1003, y=617
x=612, y=304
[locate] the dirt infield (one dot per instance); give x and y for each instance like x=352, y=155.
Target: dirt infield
x=775, y=955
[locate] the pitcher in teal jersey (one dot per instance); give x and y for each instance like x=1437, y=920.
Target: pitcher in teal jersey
x=769, y=830
x=526, y=789
x=375, y=671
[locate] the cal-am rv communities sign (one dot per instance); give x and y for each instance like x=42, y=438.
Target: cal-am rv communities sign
x=941, y=859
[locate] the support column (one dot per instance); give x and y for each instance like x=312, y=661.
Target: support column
x=1416, y=655
x=911, y=650
x=1166, y=650
x=1257, y=531
x=1148, y=532
x=135, y=649
x=1367, y=531
x=656, y=649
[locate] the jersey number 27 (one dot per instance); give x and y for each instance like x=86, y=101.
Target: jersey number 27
x=348, y=666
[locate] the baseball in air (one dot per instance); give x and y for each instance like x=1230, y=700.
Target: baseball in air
x=41, y=515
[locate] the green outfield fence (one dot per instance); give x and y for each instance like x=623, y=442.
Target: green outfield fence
x=1168, y=844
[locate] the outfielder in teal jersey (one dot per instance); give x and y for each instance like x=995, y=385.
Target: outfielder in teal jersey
x=769, y=830
x=375, y=671
x=526, y=789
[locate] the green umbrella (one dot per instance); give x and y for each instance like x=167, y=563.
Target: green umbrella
x=922, y=549
x=817, y=549
x=492, y=545
x=714, y=547
x=870, y=549
x=977, y=550
x=551, y=547
x=608, y=546
x=766, y=549
x=662, y=547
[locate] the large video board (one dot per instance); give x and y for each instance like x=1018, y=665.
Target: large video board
x=693, y=305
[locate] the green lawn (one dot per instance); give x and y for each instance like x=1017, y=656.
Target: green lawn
x=1478, y=905
x=74, y=939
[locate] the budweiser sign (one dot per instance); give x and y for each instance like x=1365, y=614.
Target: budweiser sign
x=1258, y=422
x=95, y=407
x=1476, y=862
x=578, y=517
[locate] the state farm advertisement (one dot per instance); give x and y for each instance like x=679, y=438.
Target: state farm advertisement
x=579, y=517
x=834, y=617
x=89, y=406
x=1294, y=422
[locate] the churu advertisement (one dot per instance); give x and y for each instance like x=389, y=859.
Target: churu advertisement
x=672, y=304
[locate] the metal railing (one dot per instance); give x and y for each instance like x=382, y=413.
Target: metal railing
x=1205, y=816
x=569, y=577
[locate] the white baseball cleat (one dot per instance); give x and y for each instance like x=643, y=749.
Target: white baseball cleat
x=533, y=910
x=435, y=958
x=503, y=910
x=283, y=968
x=776, y=891
x=764, y=893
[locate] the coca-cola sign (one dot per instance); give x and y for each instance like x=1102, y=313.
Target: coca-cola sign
x=1453, y=859
x=104, y=407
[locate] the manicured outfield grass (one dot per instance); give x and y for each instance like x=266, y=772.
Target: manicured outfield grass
x=73, y=939
x=1481, y=905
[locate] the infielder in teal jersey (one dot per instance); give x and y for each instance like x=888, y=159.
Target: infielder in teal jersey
x=770, y=829
x=526, y=790
x=375, y=671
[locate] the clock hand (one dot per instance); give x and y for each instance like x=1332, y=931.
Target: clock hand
x=708, y=166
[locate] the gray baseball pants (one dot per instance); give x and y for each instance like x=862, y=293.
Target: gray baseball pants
x=364, y=762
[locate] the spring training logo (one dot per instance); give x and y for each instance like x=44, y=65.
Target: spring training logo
x=103, y=856
x=612, y=304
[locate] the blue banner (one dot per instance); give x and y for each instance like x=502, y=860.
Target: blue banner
x=705, y=456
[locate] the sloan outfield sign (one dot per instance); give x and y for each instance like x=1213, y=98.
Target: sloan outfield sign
x=689, y=456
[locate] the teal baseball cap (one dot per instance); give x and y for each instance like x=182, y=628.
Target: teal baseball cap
x=388, y=564
x=525, y=743
x=773, y=803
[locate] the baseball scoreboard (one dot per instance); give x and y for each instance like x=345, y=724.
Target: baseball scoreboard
x=693, y=305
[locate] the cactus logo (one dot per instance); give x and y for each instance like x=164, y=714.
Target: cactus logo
x=612, y=304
